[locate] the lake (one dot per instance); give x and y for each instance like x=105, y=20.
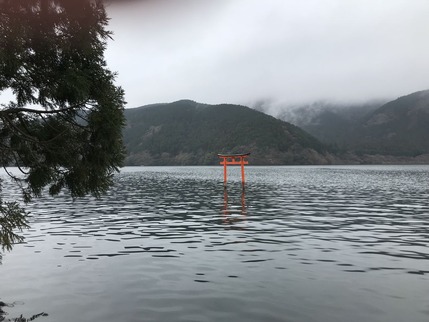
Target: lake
x=313, y=243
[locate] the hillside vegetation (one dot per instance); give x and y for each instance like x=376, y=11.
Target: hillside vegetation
x=334, y=124
x=398, y=128
x=189, y=133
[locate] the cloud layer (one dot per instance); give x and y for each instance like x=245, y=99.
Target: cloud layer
x=282, y=50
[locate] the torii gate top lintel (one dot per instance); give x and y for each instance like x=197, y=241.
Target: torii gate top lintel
x=233, y=155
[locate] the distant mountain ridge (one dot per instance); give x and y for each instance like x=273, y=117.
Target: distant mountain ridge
x=397, y=128
x=329, y=122
x=190, y=133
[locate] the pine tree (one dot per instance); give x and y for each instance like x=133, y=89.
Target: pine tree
x=63, y=129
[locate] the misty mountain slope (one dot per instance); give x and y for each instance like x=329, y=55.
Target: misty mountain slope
x=186, y=133
x=330, y=123
x=400, y=127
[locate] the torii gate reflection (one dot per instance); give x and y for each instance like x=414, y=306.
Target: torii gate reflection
x=234, y=159
x=231, y=216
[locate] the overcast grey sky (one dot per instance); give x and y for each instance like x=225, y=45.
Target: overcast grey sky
x=289, y=51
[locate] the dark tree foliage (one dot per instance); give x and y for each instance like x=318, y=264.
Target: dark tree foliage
x=63, y=129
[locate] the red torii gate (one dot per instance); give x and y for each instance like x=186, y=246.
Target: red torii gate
x=233, y=159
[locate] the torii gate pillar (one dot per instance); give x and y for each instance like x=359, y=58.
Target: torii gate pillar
x=233, y=159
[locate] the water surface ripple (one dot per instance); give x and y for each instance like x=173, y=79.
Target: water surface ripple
x=170, y=244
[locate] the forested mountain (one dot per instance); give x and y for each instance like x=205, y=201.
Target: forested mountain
x=335, y=124
x=398, y=128
x=188, y=133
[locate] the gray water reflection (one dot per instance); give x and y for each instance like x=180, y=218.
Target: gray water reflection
x=169, y=244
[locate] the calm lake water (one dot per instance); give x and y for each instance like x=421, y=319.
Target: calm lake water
x=168, y=244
